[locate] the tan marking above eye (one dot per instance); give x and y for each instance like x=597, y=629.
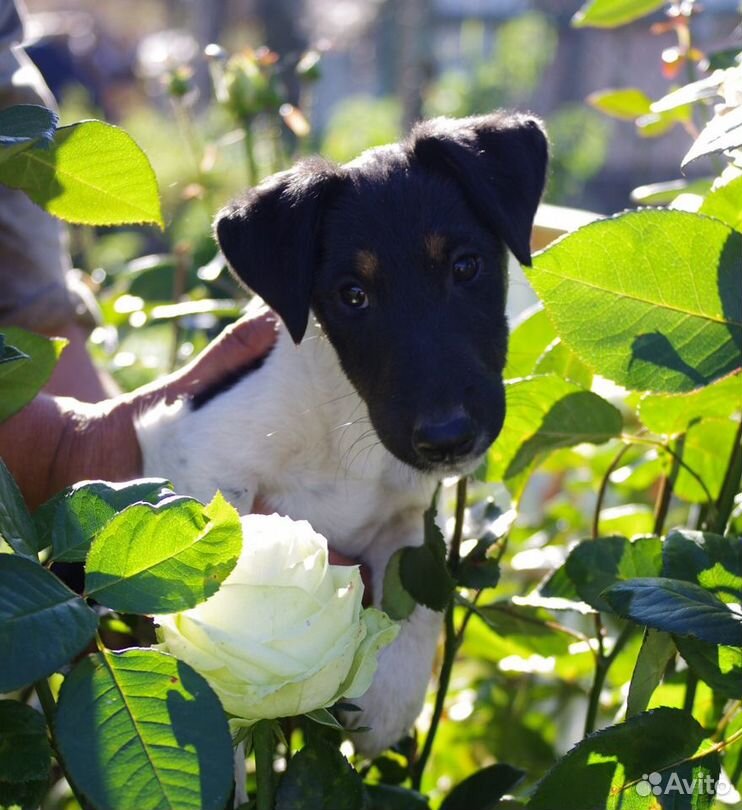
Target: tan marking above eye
x=435, y=246
x=367, y=264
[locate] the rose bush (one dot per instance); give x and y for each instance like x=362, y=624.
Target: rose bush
x=286, y=633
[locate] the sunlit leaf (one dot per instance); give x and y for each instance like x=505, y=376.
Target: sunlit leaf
x=92, y=174
x=612, y=13
x=141, y=729
x=21, y=381
x=656, y=651
x=725, y=203
x=609, y=769
x=164, y=557
x=74, y=518
x=626, y=295
x=594, y=565
x=674, y=413
x=543, y=414
x=628, y=103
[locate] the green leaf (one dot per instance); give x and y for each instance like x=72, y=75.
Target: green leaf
x=612, y=13
x=423, y=572
x=594, y=565
x=656, y=123
x=707, y=449
x=324, y=717
x=545, y=413
x=678, y=607
x=84, y=509
x=43, y=624
x=93, y=174
x=709, y=560
x=319, y=776
x=664, y=193
x=393, y=797
x=482, y=789
x=141, y=729
x=671, y=414
x=425, y=576
x=396, y=601
x=25, y=755
x=719, y=666
x=559, y=585
x=529, y=339
x=24, y=123
x=21, y=381
x=656, y=651
x=477, y=570
x=163, y=558
x=648, y=319
x=558, y=359
x=725, y=203
x=531, y=629
x=608, y=769
x=625, y=104
x=16, y=526
x=9, y=354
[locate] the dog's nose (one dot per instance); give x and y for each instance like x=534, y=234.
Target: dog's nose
x=445, y=440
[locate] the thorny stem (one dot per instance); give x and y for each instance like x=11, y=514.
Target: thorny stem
x=455, y=554
x=46, y=700
x=667, y=484
x=730, y=486
x=726, y=719
x=49, y=707
x=263, y=749
x=691, y=682
x=451, y=642
x=627, y=437
x=604, y=486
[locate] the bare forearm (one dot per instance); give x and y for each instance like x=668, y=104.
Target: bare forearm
x=56, y=441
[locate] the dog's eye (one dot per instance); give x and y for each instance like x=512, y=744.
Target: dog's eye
x=354, y=296
x=466, y=268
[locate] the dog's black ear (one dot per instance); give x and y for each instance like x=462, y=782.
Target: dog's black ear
x=269, y=238
x=500, y=162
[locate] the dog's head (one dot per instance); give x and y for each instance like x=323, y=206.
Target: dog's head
x=401, y=255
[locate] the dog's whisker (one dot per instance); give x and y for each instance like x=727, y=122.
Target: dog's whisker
x=346, y=455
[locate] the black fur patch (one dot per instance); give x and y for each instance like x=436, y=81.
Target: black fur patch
x=223, y=384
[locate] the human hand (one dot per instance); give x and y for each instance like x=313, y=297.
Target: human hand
x=57, y=441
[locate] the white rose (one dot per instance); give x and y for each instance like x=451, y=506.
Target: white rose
x=286, y=633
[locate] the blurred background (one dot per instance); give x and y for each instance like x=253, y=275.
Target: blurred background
x=222, y=93
x=382, y=65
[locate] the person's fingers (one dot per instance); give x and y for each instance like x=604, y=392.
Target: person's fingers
x=240, y=344
x=243, y=341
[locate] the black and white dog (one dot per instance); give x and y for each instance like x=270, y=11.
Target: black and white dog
x=389, y=274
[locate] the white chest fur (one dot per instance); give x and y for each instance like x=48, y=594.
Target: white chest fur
x=295, y=433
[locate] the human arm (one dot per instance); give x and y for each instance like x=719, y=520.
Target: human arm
x=56, y=441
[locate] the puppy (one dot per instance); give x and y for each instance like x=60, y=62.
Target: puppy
x=389, y=274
